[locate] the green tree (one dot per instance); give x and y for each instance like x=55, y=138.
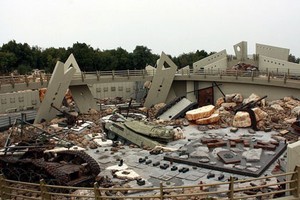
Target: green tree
x=142, y=56
x=8, y=61
x=84, y=55
x=24, y=69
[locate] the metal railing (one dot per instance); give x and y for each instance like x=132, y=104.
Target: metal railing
x=228, y=190
x=269, y=73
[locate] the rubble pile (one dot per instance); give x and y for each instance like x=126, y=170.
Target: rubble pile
x=277, y=114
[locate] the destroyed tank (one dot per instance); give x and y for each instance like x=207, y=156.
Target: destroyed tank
x=36, y=158
x=150, y=130
x=67, y=167
x=137, y=132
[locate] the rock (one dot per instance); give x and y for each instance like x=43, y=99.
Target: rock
x=219, y=101
x=290, y=121
x=178, y=133
x=252, y=155
x=241, y=119
x=93, y=145
x=277, y=107
x=228, y=106
x=296, y=111
x=202, y=112
x=211, y=119
x=238, y=98
x=199, y=154
x=93, y=111
x=259, y=114
x=229, y=97
x=283, y=132
x=252, y=97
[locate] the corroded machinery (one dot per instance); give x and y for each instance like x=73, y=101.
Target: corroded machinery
x=141, y=133
x=35, y=157
x=72, y=168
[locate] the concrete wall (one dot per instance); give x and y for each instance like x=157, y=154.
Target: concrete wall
x=125, y=90
x=273, y=52
x=19, y=101
x=241, y=50
x=273, y=63
x=215, y=61
x=247, y=89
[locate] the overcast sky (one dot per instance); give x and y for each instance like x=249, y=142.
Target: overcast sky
x=172, y=26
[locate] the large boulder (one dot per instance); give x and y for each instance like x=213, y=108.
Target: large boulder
x=241, y=120
x=252, y=97
x=259, y=114
x=202, y=112
x=209, y=120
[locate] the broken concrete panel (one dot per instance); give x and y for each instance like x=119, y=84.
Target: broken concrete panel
x=58, y=85
x=252, y=155
x=202, y=112
x=81, y=94
x=208, y=120
x=161, y=82
x=83, y=98
x=241, y=50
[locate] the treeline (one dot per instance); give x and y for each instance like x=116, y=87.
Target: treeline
x=24, y=58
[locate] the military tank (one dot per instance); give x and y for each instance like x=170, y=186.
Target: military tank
x=139, y=132
x=36, y=158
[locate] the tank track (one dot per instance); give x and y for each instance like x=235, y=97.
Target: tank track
x=52, y=169
x=93, y=165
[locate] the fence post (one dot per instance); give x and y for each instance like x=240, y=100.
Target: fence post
x=113, y=74
x=284, y=78
x=161, y=191
x=128, y=73
x=288, y=73
x=97, y=191
x=26, y=80
x=236, y=74
x=41, y=79
x=143, y=73
x=268, y=76
x=252, y=75
x=231, y=188
x=98, y=75
x=44, y=192
x=4, y=191
x=82, y=76
x=298, y=182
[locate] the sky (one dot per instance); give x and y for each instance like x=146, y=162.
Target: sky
x=172, y=26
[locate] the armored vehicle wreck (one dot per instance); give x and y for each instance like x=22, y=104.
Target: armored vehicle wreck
x=36, y=157
x=139, y=132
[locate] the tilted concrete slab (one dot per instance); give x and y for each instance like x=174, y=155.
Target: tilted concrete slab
x=58, y=85
x=162, y=81
x=81, y=94
x=174, y=111
x=83, y=98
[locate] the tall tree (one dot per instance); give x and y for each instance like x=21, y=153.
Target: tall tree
x=142, y=56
